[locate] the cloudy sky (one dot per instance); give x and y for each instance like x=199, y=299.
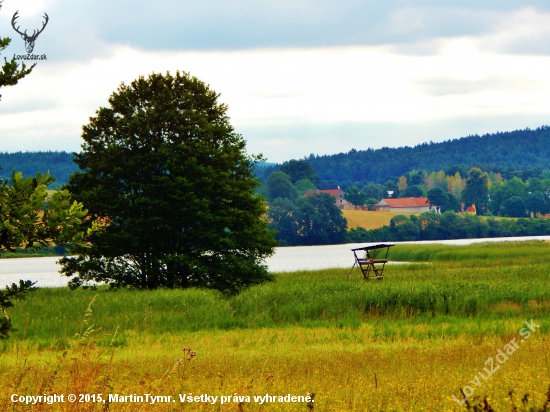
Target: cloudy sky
x=299, y=76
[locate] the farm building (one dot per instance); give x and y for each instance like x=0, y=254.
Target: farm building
x=404, y=204
x=338, y=195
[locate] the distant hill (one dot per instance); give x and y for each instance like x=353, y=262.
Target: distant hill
x=60, y=165
x=520, y=149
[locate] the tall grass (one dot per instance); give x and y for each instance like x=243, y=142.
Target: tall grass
x=491, y=282
x=407, y=343
x=346, y=370
x=494, y=254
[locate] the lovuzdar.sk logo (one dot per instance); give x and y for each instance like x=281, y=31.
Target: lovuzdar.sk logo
x=29, y=39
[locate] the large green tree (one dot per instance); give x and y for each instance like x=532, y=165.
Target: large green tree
x=537, y=203
x=403, y=228
x=304, y=185
x=515, y=187
x=284, y=217
x=279, y=185
x=375, y=191
x=320, y=221
x=514, y=207
x=476, y=190
x=355, y=196
x=299, y=169
x=439, y=198
x=414, y=191
x=312, y=220
x=164, y=169
x=11, y=72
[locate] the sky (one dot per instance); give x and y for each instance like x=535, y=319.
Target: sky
x=300, y=77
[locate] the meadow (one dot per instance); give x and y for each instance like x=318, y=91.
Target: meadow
x=369, y=219
x=407, y=343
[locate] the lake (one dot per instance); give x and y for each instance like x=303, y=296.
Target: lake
x=45, y=270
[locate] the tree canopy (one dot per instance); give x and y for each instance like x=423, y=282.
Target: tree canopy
x=312, y=220
x=164, y=169
x=355, y=196
x=279, y=185
x=438, y=197
x=299, y=169
x=476, y=190
x=30, y=217
x=514, y=207
x=537, y=203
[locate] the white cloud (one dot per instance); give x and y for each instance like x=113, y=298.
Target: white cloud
x=282, y=96
x=29, y=8
x=524, y=31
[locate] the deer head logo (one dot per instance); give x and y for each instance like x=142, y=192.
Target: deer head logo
x=29, y=40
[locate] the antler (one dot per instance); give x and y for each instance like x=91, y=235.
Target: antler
x=34, y=33
x=15, y=16
x=43, y=26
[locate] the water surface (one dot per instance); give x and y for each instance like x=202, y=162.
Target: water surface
x=45, y=270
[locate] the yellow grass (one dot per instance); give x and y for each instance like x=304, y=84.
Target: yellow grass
x=368, y=219
x=346, y=369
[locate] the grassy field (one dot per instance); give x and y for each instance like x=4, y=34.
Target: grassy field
x=407, y=343
x=368, y=219
x=374, y=220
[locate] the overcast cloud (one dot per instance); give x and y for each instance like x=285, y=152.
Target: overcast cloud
x=299, y=77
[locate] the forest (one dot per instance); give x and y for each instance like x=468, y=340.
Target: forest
x=59, y=164
x=502, y=174
x=508, y=153
x=520, y=153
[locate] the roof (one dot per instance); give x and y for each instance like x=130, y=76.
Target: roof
x=405, y=202
x=379, y=246
x=332, y=192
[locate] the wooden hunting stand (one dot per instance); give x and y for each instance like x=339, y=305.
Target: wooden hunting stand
x=369, y=260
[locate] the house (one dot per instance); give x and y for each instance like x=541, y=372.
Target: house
x=338, y=195
x=471, y=210
x=404, y=204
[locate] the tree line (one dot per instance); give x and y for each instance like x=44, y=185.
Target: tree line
x=507, y=157
x=58, y=163
x=296, y=211
x=379, y=165
x=449, y=225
